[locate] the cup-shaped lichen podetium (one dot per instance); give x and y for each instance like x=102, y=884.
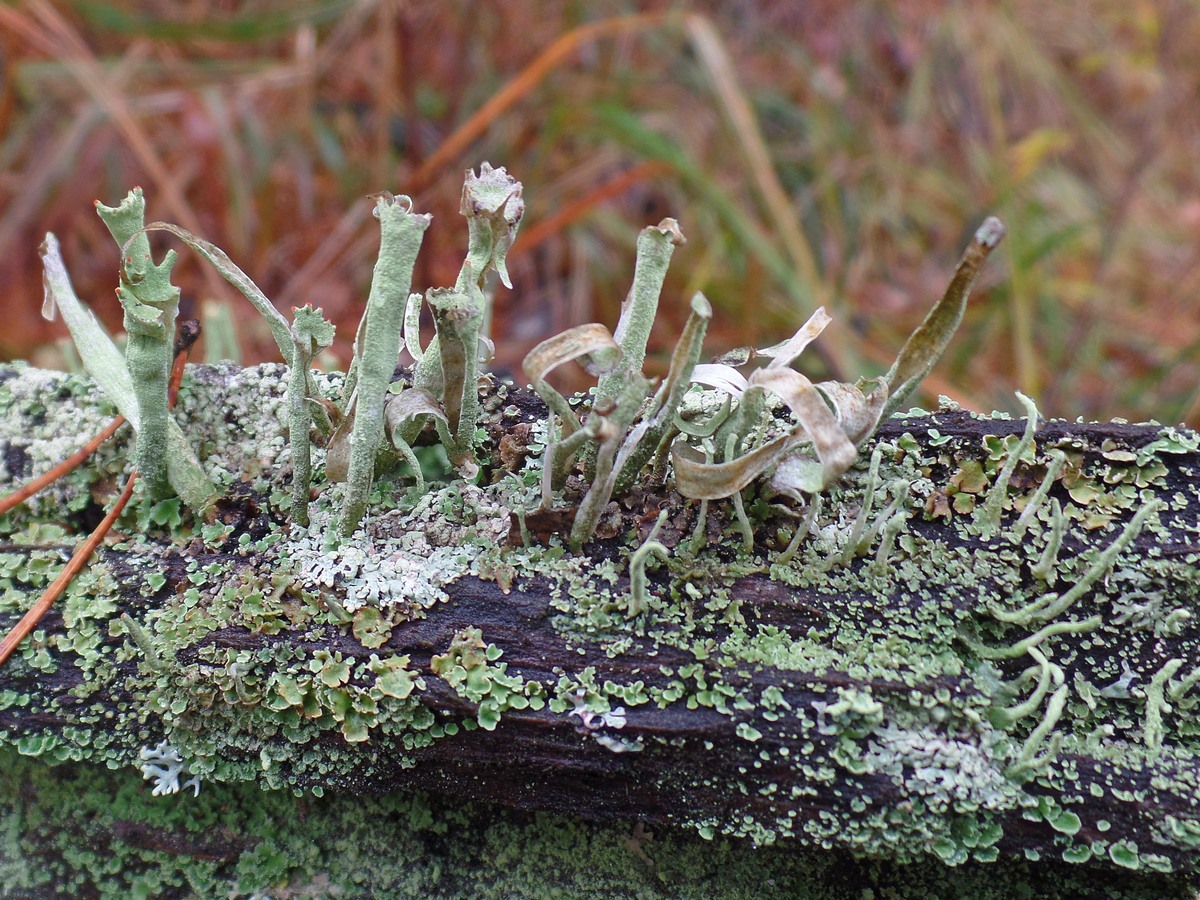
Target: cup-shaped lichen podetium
x=150, y=303
x=402, y=232
x=493, y=205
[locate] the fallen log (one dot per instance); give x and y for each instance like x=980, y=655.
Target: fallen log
x=979, y=645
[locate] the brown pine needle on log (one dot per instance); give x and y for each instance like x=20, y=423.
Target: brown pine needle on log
x=78, y=561
x=47, y=478
x=188, y=333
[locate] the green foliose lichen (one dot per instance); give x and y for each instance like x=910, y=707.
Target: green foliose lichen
x=918, y=647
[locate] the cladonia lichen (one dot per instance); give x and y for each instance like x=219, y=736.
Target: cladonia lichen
x=992, y=617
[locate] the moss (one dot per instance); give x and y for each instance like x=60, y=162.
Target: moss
x=82, y=830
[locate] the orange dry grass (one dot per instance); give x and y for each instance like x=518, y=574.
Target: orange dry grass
x=814, y=153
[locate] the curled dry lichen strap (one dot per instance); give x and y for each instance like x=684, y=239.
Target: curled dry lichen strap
x=230, y=271
x=412, y=326
x=150, y=303
x=402, y=411
x=783, y=355
x=99, y=355
x=402, y=233
x=752, y=401
x=699, y=480
x=857, y=413
x=591, y=344
x=103, y=361
x=925, y=345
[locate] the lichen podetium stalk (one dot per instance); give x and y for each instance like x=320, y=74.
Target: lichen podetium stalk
x=310, y=333
x=150, y=303
x=402, y=233
x=654, y=249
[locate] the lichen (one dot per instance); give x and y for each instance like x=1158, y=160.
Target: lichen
x=979, y=611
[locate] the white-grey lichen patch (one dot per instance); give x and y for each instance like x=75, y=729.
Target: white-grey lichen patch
x=592, y=723
x=370, y=573
x=255, y=398
x=40, y=434
x=164, y=765
x=401, y=558
x=951, y=774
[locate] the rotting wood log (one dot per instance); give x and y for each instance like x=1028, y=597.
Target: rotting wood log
x=976, y=647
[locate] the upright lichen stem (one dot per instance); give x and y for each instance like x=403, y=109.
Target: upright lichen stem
x=459, y=316
x=150, y=303
x=402, y=233
x=448, y=368
x=310, y=333
x=654, y=249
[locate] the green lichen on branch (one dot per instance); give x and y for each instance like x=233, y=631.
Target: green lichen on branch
x=868, y=684
x=926, y=635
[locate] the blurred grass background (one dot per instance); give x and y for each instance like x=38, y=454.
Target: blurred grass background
x=818, y=153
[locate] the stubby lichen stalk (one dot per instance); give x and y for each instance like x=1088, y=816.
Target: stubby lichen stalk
x=150, y=303
x=310, y=333
x=458, y=315
x=402, y=233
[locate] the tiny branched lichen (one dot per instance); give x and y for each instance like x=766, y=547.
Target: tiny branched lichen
x=164, y=765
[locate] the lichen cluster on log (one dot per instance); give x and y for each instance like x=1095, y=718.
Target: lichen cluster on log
x=980, y=645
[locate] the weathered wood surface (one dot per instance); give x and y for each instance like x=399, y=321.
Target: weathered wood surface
x=856, y=697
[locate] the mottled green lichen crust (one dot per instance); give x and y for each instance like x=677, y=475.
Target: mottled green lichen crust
x=82, y=830
x=932, y=684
